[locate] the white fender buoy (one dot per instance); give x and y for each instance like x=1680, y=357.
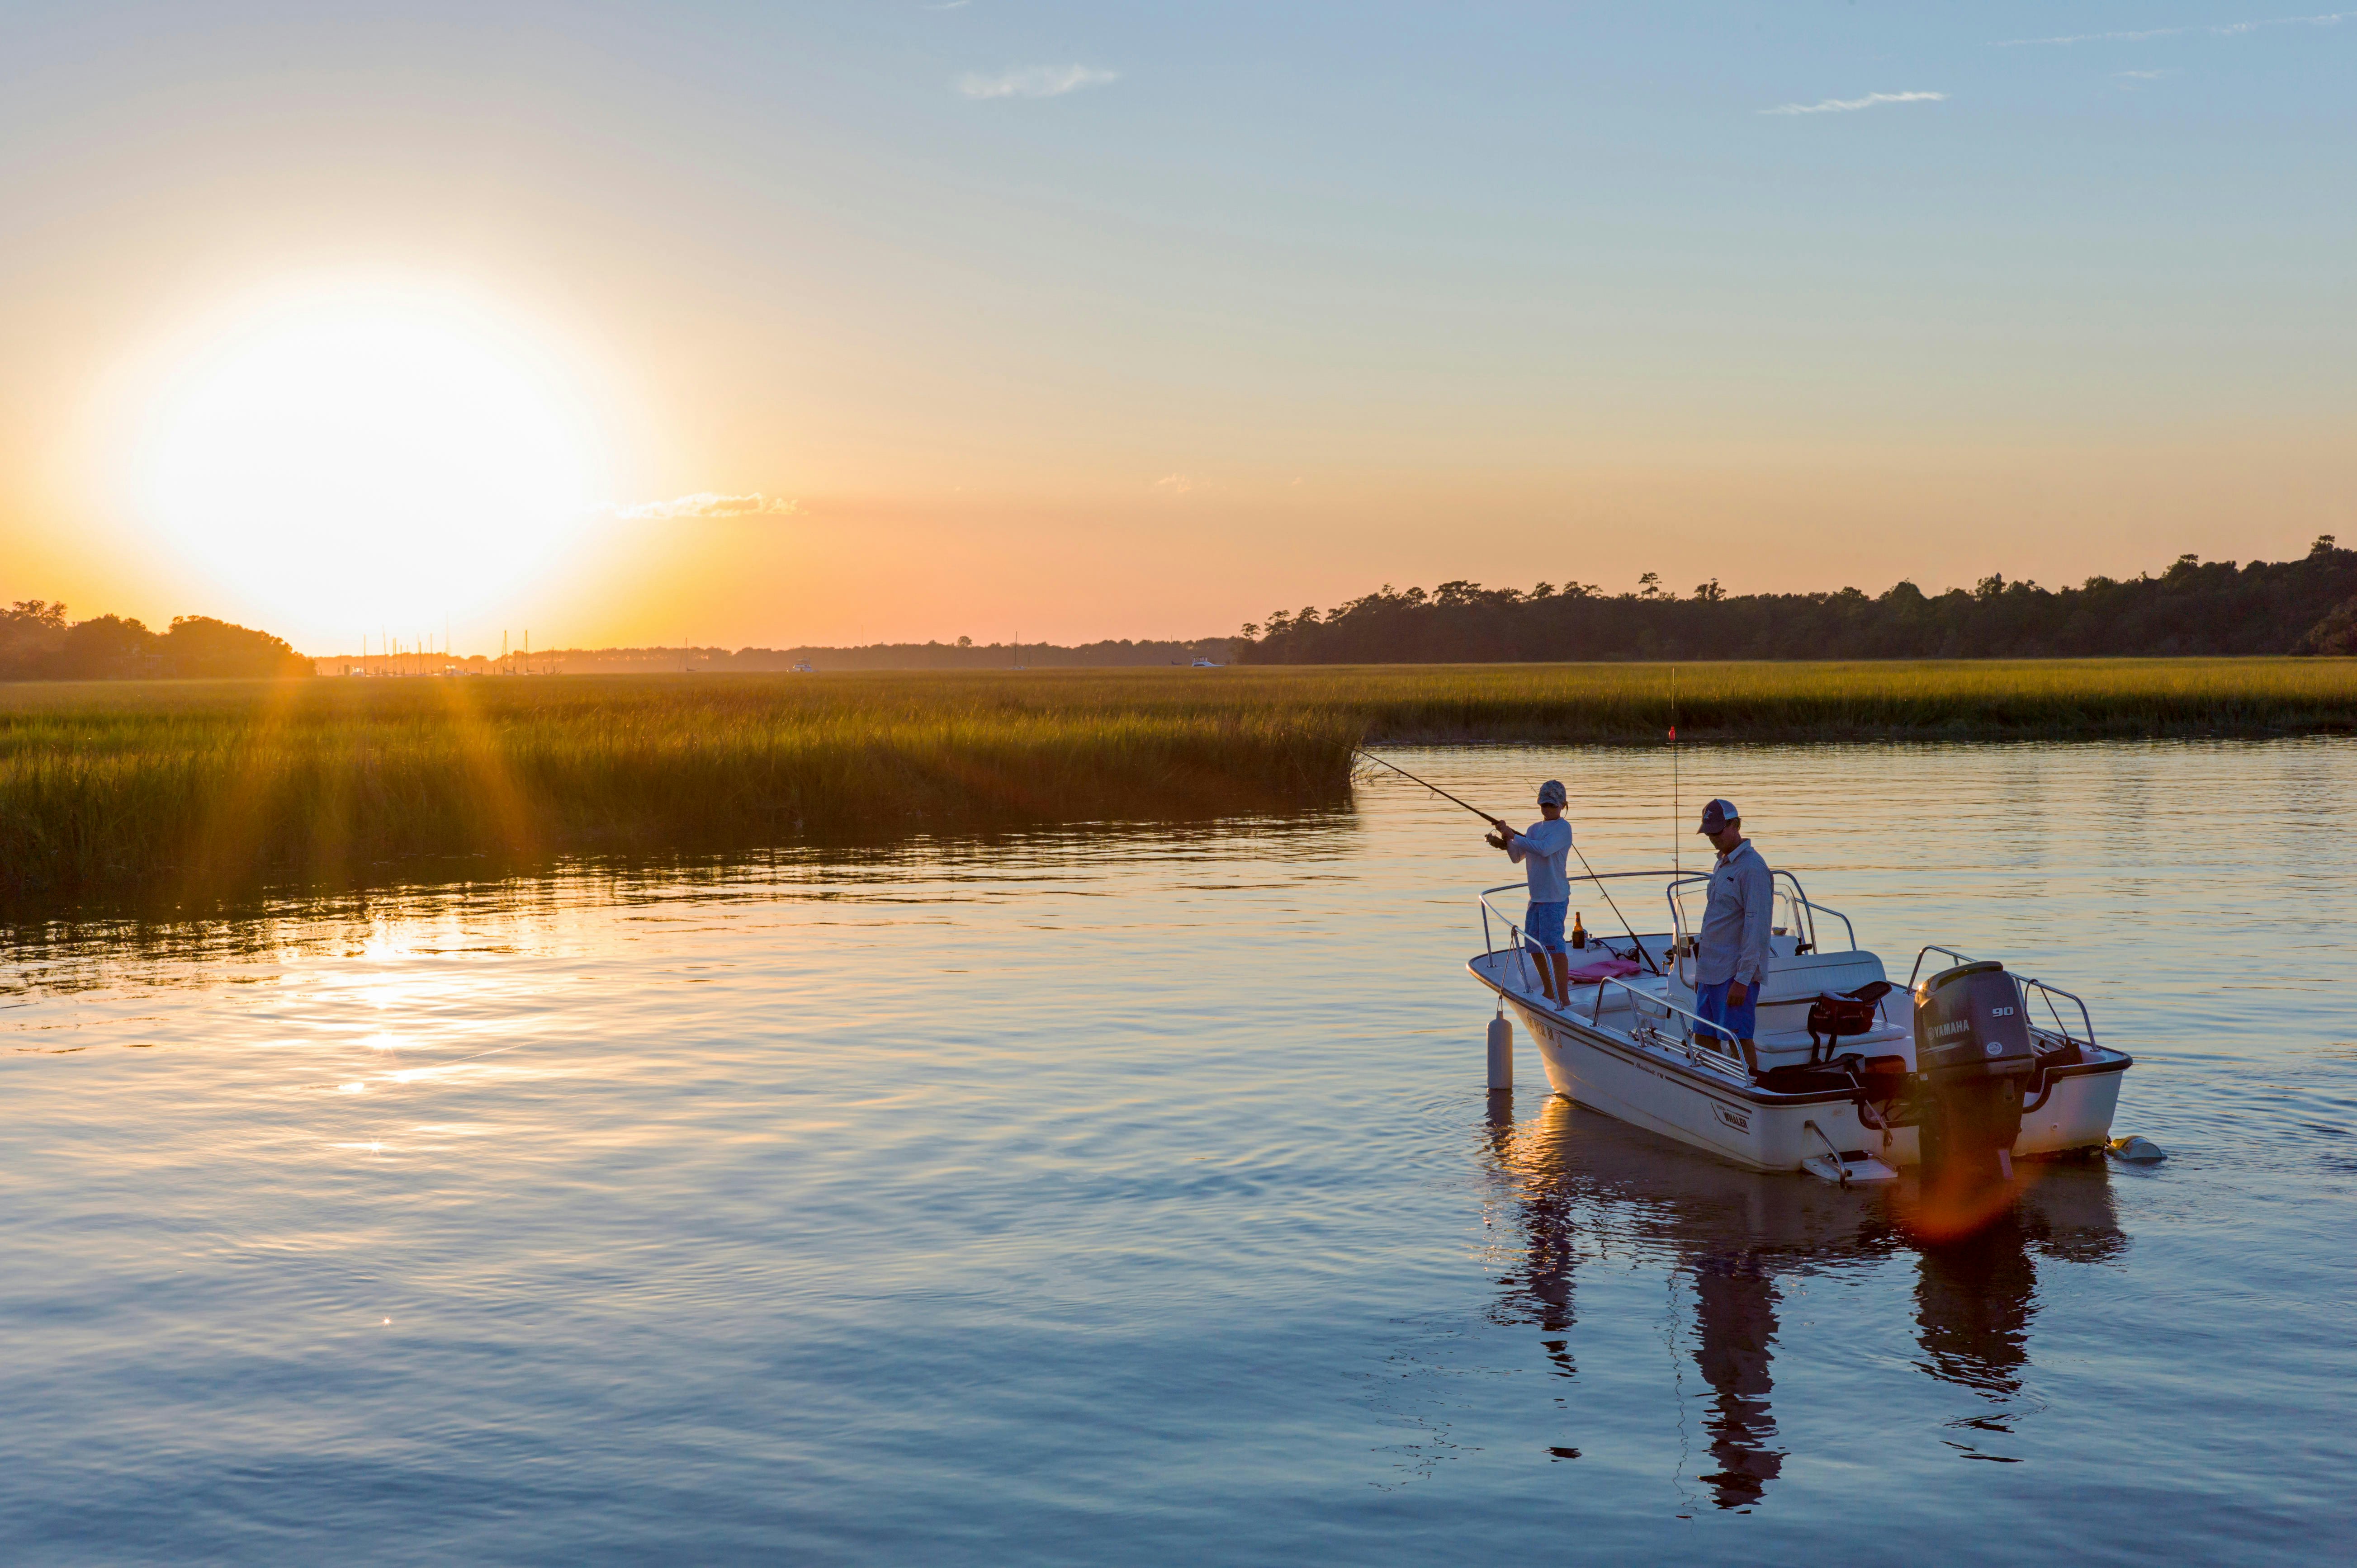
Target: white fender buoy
x=2135, y=1150
x=1501, y=1053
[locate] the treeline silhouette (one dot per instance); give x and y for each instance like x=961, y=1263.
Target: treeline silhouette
x=38, y=643
x=2308, y=606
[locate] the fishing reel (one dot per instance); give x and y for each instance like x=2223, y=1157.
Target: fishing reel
x=1494, y=840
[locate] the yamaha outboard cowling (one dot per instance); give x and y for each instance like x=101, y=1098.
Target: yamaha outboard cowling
x=1974, y=1051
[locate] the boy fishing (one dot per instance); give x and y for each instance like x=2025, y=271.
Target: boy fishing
x=1542, y=850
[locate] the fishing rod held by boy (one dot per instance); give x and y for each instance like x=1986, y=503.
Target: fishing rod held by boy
x=1505, y=837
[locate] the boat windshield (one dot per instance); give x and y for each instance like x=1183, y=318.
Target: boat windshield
x=1793, y=914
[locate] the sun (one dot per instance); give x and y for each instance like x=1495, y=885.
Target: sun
x=351, y=458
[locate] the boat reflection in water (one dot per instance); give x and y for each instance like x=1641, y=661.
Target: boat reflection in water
x=1582, y=1183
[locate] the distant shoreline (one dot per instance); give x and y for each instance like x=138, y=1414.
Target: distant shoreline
x=691, y=659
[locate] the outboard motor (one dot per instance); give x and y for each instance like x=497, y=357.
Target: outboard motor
x=1974, y=1051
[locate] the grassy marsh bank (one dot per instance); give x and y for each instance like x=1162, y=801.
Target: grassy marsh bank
x=1865, y=699
x=197, y=789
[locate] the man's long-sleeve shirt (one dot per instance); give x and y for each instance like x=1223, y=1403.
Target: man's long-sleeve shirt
x=1735, y=922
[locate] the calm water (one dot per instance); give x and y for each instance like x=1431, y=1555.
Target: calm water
x=1138, y=1200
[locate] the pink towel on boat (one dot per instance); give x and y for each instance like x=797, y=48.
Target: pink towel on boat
x=1610, y=969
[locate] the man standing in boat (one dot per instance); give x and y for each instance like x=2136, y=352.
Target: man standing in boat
x=1542, y=851
x=1732, y=962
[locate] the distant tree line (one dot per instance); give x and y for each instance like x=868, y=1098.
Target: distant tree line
x=2308, y=606
x=38, y=643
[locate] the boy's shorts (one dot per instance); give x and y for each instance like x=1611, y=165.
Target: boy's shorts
x=1542, y=924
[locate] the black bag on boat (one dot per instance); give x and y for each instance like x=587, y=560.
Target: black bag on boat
x=1832, y=1018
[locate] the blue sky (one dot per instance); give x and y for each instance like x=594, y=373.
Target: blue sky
x=1338, y=295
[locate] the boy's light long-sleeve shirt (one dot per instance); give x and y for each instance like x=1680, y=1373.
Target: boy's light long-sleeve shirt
x=1542, y=853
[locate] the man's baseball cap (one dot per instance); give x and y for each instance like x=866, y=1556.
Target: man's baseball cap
x=1551, y=793
x=1717, y=814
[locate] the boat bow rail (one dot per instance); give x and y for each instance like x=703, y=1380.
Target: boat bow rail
x=1711, y=1047
x=1648, y=954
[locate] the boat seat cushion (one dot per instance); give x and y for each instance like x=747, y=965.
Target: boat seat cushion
x=1811, y=975
x=1779, y=1048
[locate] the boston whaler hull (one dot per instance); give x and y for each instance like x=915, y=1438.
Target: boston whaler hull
x=1855, y=1107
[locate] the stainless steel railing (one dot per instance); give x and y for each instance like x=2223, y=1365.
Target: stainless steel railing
x=2025, y=984
x=1801, y=917
x=1697, y=1042
x=1514, y=930
x=1707, y=1043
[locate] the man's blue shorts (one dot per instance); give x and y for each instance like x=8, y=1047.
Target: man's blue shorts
x=1543, y=925
x=1710, y=1002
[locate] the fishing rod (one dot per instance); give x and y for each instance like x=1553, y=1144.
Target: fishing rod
x=1493, y=821
x=1500, y=824
x=1625, y=926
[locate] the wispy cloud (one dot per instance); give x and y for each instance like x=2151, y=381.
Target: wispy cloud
x=1176, y=484
x=2215, y=30
x=705, y=503
x=2143, y=75
x=1850, y=105
x=1035, y=81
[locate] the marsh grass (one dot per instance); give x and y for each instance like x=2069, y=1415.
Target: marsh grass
x=199, y=790
x=202, y=789
x=1928, y=699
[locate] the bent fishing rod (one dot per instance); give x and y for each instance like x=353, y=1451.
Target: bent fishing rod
x=1500, y=824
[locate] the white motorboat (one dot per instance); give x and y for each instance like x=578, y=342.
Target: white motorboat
x=1850, y=1077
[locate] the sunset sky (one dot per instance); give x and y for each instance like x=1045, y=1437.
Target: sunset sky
x=827, y=323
